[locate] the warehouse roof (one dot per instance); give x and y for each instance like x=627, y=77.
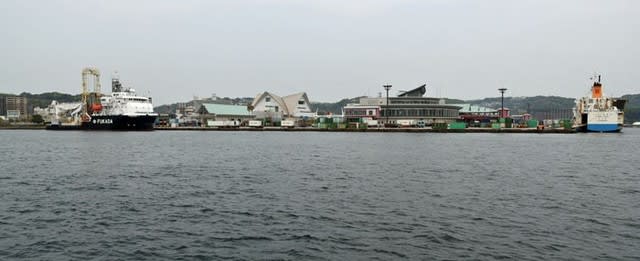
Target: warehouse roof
x=224, y=109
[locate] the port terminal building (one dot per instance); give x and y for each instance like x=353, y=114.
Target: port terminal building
x=410, y=106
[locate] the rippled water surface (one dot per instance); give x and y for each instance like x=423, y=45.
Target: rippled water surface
x=341, y=196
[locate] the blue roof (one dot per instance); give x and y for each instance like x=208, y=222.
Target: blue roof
x=225, y=109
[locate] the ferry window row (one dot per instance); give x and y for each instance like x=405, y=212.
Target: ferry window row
x=420, y=112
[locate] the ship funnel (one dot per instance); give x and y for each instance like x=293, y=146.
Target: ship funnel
x=596, y=90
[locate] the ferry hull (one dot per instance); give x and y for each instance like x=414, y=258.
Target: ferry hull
x=603, y=127
x=112, y=122
x=120, y=122
x=601, y=121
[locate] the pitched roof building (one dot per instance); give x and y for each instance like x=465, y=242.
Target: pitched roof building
x=269, y=105
x=224, y=112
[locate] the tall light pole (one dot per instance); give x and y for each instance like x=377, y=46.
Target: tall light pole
x=502, y=90
x=386, y=112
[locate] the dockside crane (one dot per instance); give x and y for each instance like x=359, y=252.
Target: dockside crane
x=90, y=103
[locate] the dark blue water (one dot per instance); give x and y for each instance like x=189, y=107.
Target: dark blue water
x=341, y=196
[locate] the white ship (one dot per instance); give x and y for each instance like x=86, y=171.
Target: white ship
x=123, y=109
x=597, y=112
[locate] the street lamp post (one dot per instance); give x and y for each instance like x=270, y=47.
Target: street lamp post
x=386, y=112
x=502, y=90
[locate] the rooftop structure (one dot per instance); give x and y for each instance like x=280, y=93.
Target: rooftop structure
x=469, y=109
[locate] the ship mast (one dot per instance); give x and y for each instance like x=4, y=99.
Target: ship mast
x=116, y=86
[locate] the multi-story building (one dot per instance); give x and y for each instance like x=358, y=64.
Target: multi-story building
x=409, y=105
x=16, y=103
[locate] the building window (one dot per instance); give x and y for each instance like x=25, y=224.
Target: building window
x=268, y=99
x=301, y=102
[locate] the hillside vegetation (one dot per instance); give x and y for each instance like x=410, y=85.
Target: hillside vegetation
x=44, y=99
x=632, y=109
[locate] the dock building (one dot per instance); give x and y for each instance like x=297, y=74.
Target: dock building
x=407, y=106
x=209, y=112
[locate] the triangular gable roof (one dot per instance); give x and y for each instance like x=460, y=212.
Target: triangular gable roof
x=276, y=98
x=292, y=100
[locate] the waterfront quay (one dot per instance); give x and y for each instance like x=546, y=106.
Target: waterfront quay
x=408, y=130
x=316, y=129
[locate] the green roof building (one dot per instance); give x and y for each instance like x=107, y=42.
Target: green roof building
x=224, y=112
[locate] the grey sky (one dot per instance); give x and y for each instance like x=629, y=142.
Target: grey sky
x=331, y=49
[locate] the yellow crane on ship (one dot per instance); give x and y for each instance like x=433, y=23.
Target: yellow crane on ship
x=90, y=101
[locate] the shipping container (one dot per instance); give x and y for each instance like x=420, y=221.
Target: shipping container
x=508, y=123
x=457, y=125
x=212, y=123
x=255, y=123
x=288, y=123
x=440, y=126
x=406, y=123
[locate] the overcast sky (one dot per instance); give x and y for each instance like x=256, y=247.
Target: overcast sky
x=330, y=49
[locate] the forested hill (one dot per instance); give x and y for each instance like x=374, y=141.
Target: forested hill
x=632, y=109
x=520, y=105
x=44, y=99
x=332, y=107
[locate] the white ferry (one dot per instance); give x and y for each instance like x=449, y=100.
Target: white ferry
x=597, y=112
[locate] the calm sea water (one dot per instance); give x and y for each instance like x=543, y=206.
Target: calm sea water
x=340, y=196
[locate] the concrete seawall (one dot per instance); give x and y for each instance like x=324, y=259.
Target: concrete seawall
x=415, y=130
